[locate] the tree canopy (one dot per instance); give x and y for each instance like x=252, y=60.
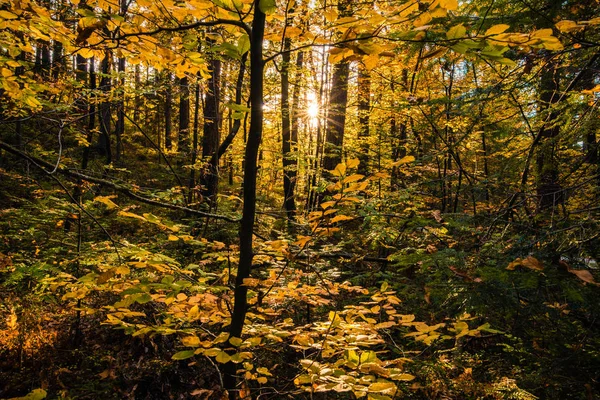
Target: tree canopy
x=275, y=199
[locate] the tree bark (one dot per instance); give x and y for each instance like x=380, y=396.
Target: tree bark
x=184, y=116
x=548, y=188
x=211, y=138
x=168, y=112
x=364, y=111
x=338, y=100
x=105, y=110
x=250, y=174
x=289, y=164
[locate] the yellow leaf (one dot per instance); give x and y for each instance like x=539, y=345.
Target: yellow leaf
x=496, y=29
x=131, y=215
x=339, y=170
x=551, y=43
x=86, y=53
x=106, y=200
x=211, y=352
x=194, y=312
x=330, y=15
x=352, y=162
x=12, y=320
x=173, y=238
x=403, y=377
x=191, y=341
x=251, y=282
x=422, y=20
x=542, y=33
x=263, y=371
x=235, y=341
x=327, y=204
x=382, y=387
x=407, y=10
x=449, y=4
x=353, y=178
x=254, y=341
x=262, y=380
x=222, y=357
x=403, y=160
x=302, y=240
x=339, y=218
x=371, y=61
x=568, y=26
x=223, y=336
x=7, y=15
x=181, y=296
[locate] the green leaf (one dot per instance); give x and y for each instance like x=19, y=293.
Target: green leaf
x=222, y=357
x=368, y=357
x=456, y=32
x=382, y=387
x=267, y=6
x=182, y=355
x=243, y=44
x=37, y=394
x=142, y=298
x=223, y=336
x=351, y=356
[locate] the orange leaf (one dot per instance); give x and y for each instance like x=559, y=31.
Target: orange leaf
x=584, y=275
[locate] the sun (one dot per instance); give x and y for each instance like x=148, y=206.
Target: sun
x=313, y=110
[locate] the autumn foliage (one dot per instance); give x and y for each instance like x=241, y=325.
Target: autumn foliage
x=265, y=199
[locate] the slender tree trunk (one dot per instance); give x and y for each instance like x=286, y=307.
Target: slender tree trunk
x=120, y=126
x=338, y=99
x=364, y=111
x=548, y=187
x=211, y=138
x=105, y=109
x=295, y=121
x=57, y=59
x=184, y=116
x=237, y=122
x=486, y=168
x=194, y=158
x=313, y=195
x=250, y=173
x=137, y=99
x=289, y=165
x=168, y=112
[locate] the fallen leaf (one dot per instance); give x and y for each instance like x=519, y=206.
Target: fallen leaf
x=584, y=275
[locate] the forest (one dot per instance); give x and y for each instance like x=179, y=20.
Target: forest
x=286, y=199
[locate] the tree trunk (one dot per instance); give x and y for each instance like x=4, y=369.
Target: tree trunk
x=237, y=123
x=192, y=185
x=168, y=112
x=105, y=109
x=338, y=99
x=120, y=126
x=250, y=173
x=364, y=110
x=211, y=139
x=289, y=164
x=548, y=188
x=184, y=116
